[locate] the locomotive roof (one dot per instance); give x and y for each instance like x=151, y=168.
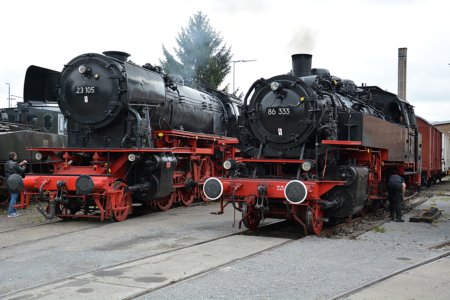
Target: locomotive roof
x=424, y=120
x=441, y=122
x=374, y=87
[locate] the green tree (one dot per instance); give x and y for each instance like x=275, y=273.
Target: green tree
x=202, y=58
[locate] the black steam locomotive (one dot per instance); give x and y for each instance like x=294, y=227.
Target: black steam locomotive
x=315, y=148
x=288, y=112
x=110, y=102
x=133, y=132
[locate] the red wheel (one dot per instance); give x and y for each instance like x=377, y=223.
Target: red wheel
x=314, y=219
x=165, y=203
x=250, y=217
x=206, y=169
x=202, y=195
x=186, y=196
x=121, y=202
x=187, y=193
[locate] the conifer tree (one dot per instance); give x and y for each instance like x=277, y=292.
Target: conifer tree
x=201, y=57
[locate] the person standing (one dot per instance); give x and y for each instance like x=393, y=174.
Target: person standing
x=13, y=167
x=396, y=187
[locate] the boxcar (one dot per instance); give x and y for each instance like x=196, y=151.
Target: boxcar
x=431, y=151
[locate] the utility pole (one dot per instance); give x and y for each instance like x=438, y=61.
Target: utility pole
x=234, y=69
x=14, y=97
x=9, y=94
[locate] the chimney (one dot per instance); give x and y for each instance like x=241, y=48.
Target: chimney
x=301, y=65
x=402, y=72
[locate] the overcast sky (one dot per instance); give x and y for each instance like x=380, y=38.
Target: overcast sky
x=356, y=40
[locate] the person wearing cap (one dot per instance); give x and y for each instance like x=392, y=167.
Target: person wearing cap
x=396, y=187
x=13, y=167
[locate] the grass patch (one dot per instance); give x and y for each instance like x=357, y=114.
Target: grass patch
x=379, y=229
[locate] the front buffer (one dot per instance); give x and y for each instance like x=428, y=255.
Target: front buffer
x=258, y=198
x=80, y=196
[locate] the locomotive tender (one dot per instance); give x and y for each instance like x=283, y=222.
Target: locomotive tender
x=135, y=134
x=316, y=148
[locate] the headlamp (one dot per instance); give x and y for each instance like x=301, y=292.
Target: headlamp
x=307, y=165
x=275, y=86
x=38, y=155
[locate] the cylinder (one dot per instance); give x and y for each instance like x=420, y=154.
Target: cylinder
x=301, y=65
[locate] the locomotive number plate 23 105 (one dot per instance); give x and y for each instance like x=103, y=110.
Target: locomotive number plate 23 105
x=279, y=111
x=85, y=90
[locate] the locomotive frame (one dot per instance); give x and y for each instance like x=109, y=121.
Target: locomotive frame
x=100, y=188
x=259, y=198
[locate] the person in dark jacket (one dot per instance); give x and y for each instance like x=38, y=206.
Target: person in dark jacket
x=13, y=167
x=396, y=187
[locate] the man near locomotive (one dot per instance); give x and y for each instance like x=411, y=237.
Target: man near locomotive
x=396, y=188
x=13, y=167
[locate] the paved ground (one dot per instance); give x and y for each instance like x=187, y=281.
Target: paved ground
x=142, y=275
x=45, y=253
x=187, y=253
x=430, y=281
x=319, y=268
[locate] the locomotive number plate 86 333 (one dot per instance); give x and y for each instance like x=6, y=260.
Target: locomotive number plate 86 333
x=279, y=111
x=85, y=90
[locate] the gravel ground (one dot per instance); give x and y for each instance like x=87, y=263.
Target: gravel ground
x=29, y=217
x=320, y=268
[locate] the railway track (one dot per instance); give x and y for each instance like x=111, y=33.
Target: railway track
x=148, y=273
x=290, y=232
x=137, y=270
x=348, y=294
x=38, y=256
x=57, y=226
x=354, y=227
